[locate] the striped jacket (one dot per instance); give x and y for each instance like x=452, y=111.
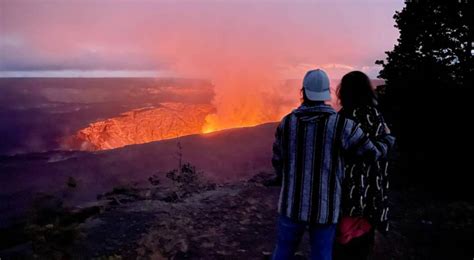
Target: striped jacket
x=308, y=155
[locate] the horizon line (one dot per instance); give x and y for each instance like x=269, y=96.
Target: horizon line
x=73, y=73
x=104, y=74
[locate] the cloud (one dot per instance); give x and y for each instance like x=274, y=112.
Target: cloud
x=334, y=70
x=17, y=54
x=244, y=47
x=142, y=35
x=337, y=66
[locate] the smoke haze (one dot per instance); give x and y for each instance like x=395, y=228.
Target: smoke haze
x=247, y=49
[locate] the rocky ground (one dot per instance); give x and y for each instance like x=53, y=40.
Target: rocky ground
x=234, y=221
x=238, y=220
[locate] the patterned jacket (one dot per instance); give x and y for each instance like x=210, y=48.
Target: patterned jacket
x=365, y=188
x=308, y=154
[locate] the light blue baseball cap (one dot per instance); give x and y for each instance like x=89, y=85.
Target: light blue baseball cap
x=316, y=85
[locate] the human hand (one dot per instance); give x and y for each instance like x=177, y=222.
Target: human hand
x=387, y=130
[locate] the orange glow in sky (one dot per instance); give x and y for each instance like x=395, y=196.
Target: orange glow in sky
x=246, y=48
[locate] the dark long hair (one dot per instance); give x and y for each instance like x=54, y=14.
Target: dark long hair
x=355, y=90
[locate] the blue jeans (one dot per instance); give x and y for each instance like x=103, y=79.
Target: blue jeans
x=290, y=233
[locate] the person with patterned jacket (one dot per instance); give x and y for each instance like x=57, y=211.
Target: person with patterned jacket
x=365, y=186
x=311, y=144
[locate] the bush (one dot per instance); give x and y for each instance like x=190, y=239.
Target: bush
x=154, y=180
x=50, y=228
x=187, y=181
x=187, y=175
x=53, y=229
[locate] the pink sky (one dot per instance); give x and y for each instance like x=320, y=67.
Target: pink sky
x=197, y=37
x=246, y=48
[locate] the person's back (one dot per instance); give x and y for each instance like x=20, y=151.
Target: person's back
x=308, y=156
x=364, y=203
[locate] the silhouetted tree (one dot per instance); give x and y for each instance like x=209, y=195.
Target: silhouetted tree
x=435, y=45
x=427, y=94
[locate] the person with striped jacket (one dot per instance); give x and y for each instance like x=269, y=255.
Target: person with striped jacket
x=308, y=157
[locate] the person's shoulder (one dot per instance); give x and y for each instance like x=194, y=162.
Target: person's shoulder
x=361, y=113
x=342, y=112
x=285, y=118
x=375, y=110
x=344, y=115
x=352, y=113
x=343, y=120
x=346, y=122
